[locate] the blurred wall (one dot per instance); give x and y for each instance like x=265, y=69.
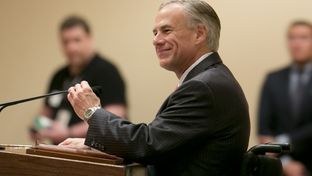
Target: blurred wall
x=252, y=43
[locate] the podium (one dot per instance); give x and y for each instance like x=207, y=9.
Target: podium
x=17, y=162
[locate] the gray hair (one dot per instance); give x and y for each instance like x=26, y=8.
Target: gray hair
x=200, y=12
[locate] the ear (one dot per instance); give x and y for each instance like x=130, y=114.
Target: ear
x=201, y=33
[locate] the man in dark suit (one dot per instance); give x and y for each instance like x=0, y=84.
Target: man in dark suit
x=202, y=128
x=285, y=113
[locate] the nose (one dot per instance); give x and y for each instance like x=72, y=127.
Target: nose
x=70, y=46
x=158, y=39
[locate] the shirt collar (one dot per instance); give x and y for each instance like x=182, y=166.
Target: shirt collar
x=187, y=71
x=306, y=68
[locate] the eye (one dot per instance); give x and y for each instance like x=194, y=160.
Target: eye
x=155, y=33
x=167, y=31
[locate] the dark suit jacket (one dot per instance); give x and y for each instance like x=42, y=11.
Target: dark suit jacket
x=275, y=114
x=201, y=129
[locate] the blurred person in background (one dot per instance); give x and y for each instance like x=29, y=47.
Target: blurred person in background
x=57, y=120
x=285, y=113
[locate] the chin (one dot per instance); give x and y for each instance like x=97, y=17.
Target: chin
x=166, y=66
x=75, y=61
x=302, y=59
x=166, y=63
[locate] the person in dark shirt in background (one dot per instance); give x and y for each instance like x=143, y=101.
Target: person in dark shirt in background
x=285, y=113
x=57, y=120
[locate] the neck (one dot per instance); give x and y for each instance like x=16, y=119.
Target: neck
x=301, y=65
x=191, y=61
x=75, y=70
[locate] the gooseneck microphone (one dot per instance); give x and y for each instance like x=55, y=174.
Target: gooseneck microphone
x=96, y=89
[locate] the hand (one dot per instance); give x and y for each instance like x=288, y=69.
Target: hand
x=57, y=133
x=76, y=143
x=263, y=139
x=81, y=97
x=294, y=168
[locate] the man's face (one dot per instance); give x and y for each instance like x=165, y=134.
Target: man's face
x=300, y=43
x=174, y=40
x=77, y=45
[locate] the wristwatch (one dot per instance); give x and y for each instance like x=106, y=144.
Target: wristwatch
x=89, y=112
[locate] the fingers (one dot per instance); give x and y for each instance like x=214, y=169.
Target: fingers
x=67, y=141
x=76, y=91
x=86, y=87
x=81, y=97
x=75, y=143
x=70, y=95
x=70, y=98
x=79, y=88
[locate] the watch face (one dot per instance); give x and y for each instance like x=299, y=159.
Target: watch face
x=88, y=113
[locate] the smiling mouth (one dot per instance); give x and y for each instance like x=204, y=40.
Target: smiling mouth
x=162, y=52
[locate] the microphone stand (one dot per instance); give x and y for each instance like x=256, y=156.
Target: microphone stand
x=4, y=105
x=96, y=89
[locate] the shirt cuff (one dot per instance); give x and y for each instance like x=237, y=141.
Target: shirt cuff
x=283, y=138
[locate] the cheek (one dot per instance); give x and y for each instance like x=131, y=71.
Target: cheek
x=184, y=48
x=72, y=47
x=79, y=46
x=178, y=47
x=184, y=41
x=309, y=46
x=304, y=47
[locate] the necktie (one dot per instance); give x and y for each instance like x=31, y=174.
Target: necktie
x=297, y=95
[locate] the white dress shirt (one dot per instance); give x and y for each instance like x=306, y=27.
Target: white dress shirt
x=187, y=71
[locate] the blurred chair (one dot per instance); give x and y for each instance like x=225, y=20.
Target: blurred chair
x=256, y=163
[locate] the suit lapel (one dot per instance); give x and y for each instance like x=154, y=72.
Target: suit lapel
x=211, y=60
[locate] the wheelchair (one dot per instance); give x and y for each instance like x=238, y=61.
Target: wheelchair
x=256, y=163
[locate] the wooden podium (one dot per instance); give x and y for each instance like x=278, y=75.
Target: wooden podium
x=17, y=162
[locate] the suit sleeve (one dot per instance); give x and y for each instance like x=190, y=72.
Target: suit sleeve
x=265, y=112
x=182, y=122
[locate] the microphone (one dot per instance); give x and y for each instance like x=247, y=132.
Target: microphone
x=96, y=89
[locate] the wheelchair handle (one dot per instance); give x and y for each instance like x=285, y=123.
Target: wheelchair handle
x=261, y=149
